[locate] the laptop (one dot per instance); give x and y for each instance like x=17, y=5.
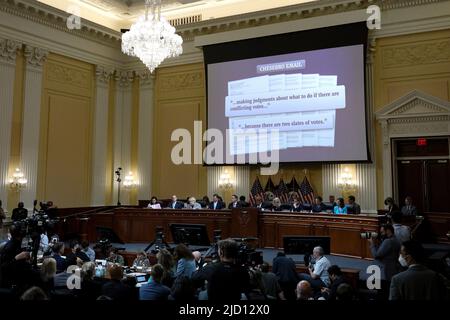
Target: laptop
x=140, y=280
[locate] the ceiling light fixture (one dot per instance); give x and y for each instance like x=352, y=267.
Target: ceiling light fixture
x=152, y=39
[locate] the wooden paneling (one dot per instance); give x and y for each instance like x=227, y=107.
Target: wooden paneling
x=66, y=132
x=138, y=226
x=180, y=100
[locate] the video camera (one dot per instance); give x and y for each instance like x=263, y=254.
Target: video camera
x=248, y=256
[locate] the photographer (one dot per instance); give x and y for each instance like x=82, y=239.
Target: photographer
x=226, y=280
x=318, y=275
x=14, y=261
x=386, y=250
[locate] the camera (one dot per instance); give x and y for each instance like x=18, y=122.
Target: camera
x=117, y=172
x=369, y=234
x=248, y=257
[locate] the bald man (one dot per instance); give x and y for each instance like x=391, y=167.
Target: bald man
x=304, y=291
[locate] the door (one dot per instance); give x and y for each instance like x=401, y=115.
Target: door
x=411, y=181
x=438, y=185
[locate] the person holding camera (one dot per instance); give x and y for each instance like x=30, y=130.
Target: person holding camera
x=226, y=279
x=385, y=250
x=318, y=270
x=15, y=265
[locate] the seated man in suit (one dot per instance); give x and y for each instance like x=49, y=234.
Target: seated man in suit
x=258, y=202
x=193, y=204
x=234, y=202
x=216, y=204
x=244, y=204
x=175, y=204
x=353, y=207
x=417, y=282
x=408, y=209
x=19, y=213
x=319, y=206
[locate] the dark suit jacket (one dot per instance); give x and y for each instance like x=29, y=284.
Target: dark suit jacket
x=219, y=205
x=319, y=208
x=19, y=214
x=387, y=253
x=285, y=270
x=178, y=205
x=238, y=205
x=417, y=283
x=409, y=211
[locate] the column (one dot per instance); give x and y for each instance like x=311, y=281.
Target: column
x=122, y=130
x=145, y=133
x=100, y=136
x=35, y=58
x=8, y=52
x=366, y=175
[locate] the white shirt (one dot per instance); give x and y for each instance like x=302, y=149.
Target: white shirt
x=402, y=233
x=154, y=206
x=321, y=269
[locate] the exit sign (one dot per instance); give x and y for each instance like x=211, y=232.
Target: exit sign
x=421, y=142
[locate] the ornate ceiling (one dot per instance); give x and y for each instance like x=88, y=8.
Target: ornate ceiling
x=117, y=14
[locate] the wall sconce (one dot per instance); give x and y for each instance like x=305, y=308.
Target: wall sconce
x=18, y=181
x=225, y=181
x=346, y=181
x=129, y=181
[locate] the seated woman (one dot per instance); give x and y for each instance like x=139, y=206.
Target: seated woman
x=340, y=207
x=319, y=206
x=154, y=204
x=276, y=204
x=296, y=205
x=141, y=260
x=193, y=204
x=185, y=261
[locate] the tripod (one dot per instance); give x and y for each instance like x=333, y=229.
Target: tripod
x=159, y=242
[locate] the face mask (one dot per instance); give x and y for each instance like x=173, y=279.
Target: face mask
x=402, y=261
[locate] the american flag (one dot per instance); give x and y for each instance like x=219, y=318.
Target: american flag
x=256, y=190
x=294, y=187
x=282, y=191
x=306, y=191
x=269, y=185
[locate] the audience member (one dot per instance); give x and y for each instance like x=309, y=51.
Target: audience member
x=409, y=209
x=165, y=259
x=45, y=280
x=34, y=294
x=154, y=289
x=304, y=291
x=286, y=272
x=387, y=251
x=183, y=290
x=141, y=260
x=345, y=292
x=318, y=270
x=115, y=288
x=272, y=288
x=90, y=287
x=199, y=261
x=226, y=280
x=336, y=279
x=353, y=207
x=417, y=282
x=115, y=257
x=185, y=261
x=58, y=251
x=88, y=251
x=256, y=290
x=402, y=232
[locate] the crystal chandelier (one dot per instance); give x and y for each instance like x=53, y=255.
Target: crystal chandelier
x=152, y=39
x=18, y=181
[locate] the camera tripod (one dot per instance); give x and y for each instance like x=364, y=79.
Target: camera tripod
x=159, y=241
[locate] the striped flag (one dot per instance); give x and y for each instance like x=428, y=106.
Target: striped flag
x=269, y=185
x=256, y=190
x=306, y=191
x=293, y=186
x=282, y=191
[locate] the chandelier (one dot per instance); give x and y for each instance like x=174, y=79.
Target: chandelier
x=151, y=38
x=129, y=181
